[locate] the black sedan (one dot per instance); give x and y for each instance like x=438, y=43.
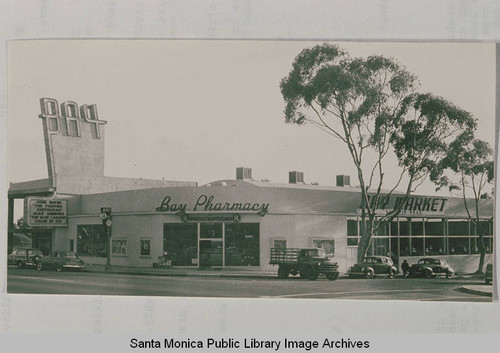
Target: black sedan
x=431, y=267
x=60, y=260
x=373, y=265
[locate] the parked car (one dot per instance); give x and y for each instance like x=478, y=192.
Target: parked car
x=22, y=257
x=431, y=267
x=60, y=260
x=488, y=276
x=372, y=266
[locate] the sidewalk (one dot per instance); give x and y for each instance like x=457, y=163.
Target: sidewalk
x=243, y=272
x=479, y=289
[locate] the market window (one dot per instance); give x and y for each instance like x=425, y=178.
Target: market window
x=145, y=247
x=434, y=246
x=352, y=227
x=119, y=247
x=417, y=227
x=459, y=246
x=91, y=240
x=327, y=244
x=434, y=226
x=458, y=227
x=403, y=226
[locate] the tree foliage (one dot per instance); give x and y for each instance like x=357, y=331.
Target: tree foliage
x=371, y=105
x=472, y=161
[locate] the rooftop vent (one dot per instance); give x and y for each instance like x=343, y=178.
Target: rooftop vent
x=296, y=177
x=343, y=180
x=243, y=173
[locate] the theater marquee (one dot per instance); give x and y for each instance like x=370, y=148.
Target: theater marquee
x=45, y=212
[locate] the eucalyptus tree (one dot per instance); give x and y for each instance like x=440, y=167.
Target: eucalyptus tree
x=371, y=105
x=472, y=163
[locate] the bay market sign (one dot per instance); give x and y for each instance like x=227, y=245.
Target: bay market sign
x=206, y=203
x=410, y=205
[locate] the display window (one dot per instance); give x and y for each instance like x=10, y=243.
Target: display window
x=327, y=244
x=242, y=242
x=91, y=240
x=180, y=243
x=119, y=247
x=145, y=247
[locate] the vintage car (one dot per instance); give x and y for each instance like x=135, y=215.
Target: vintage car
x=372, y=266
x=60, y=260
x=488, y=276
x=431, y=267
x=22, y=257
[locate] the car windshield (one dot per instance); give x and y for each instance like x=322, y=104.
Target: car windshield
x=68, y=254
x=34, y=252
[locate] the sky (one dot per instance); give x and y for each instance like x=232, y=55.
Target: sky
x=195, y=110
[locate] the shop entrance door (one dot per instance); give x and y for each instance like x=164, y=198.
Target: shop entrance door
x=211, y=253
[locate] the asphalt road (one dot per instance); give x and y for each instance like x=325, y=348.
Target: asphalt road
x=30, y=281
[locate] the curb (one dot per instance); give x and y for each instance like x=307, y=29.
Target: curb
x=184, y=274
x=476, y=291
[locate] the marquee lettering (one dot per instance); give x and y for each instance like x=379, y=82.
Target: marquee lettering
x=70, y=117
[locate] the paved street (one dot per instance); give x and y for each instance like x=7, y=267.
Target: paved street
x=50, y=282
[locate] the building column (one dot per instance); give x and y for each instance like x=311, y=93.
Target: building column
x=10, y=225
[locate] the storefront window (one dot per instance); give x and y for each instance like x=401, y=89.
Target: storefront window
x=458, y=227
x=394, y=228
x=119, y=246
x=417, y=226
x=434, y=226
x=352, y=227
x=404, y=247
x=403, y=226
x=210, y=230
x=145, y=247
x=458, y=246
x=327, y=244
x=380, y=247
x=91, y=240
x=180, y=243
x=434, y=246
x=242, y=244
x=417, y=246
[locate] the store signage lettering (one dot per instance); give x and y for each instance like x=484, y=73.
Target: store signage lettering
x=413, y=204
x=45, y=212
x=70, y=117
x=208, y=203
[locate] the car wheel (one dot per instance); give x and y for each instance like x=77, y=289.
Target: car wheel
x=369, y=274
x=391, y=273
x=487, y=281
x=39, y=266
x=449, y=275
x=282, y=273
x=20, y=264
x=332, y=276
x=312, y=275
x=59, y=268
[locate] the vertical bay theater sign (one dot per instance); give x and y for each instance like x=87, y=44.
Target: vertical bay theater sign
x=74, y=144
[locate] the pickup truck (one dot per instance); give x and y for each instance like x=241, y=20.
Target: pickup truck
x=308, y=263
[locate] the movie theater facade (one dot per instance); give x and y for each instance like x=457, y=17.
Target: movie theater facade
x=227, y=223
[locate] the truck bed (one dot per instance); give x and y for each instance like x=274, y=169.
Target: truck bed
x=284, y=256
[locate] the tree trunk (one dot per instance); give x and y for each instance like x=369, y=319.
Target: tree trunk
x=366, y=233
x=481, y=248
